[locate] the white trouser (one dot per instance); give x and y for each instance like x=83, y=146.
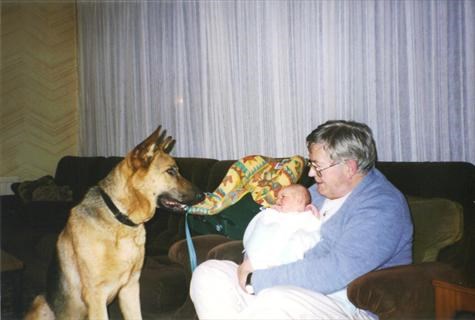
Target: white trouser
x=216, y=294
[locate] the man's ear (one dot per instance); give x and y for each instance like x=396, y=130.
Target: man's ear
x=351, y=167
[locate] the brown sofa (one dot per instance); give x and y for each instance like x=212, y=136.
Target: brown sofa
x=441, y=198
x=31, y=223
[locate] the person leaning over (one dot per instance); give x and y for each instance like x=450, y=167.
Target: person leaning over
x=366, y=226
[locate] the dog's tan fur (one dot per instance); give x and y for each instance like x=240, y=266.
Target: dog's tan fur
x=99, y=257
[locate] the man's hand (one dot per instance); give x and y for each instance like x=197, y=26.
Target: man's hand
x=243, y=270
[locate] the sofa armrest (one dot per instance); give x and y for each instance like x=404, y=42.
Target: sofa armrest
x=203, y=244
x=231, y=250
x=404, y=292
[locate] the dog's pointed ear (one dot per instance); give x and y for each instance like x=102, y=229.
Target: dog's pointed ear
x=142, y=154
x=164, y=143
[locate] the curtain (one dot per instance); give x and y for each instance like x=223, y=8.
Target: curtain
x=234, y=78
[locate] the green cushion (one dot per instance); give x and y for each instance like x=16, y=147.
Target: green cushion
x=437, y=223
x=230, y=222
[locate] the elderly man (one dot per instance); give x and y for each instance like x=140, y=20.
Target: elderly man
x=366, y=226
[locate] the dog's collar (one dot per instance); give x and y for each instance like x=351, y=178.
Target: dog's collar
x=122, y=218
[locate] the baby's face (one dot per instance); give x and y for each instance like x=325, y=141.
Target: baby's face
x=289, y=200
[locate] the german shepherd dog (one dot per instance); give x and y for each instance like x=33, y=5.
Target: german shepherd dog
x=100, y=252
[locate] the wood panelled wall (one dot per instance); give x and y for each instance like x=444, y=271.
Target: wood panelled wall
x=39, y=86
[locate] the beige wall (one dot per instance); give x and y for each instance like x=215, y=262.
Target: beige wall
x=39, y=87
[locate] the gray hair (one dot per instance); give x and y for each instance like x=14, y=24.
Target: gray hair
x=346, y=140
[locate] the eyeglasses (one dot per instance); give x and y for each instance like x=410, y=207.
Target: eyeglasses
x=318, y=170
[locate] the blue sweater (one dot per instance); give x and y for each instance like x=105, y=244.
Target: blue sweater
x=372, y=230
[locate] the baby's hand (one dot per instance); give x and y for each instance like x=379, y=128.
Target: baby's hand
x=315, y=212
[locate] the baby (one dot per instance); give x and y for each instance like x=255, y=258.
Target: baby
x=283, y=233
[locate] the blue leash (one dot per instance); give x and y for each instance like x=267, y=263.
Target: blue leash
x=189, y=243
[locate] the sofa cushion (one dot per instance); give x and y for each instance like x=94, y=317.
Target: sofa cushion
x=196, y=170
x=80, y=173
x=231, y=250
x=178, y=252
x=437, y=223
x=163, y=287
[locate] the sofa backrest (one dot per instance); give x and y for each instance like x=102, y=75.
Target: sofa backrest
x=80, y=173
x=197, y=170
x=450, y=180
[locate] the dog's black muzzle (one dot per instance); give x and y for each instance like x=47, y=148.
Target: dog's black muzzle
x=180, y=204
